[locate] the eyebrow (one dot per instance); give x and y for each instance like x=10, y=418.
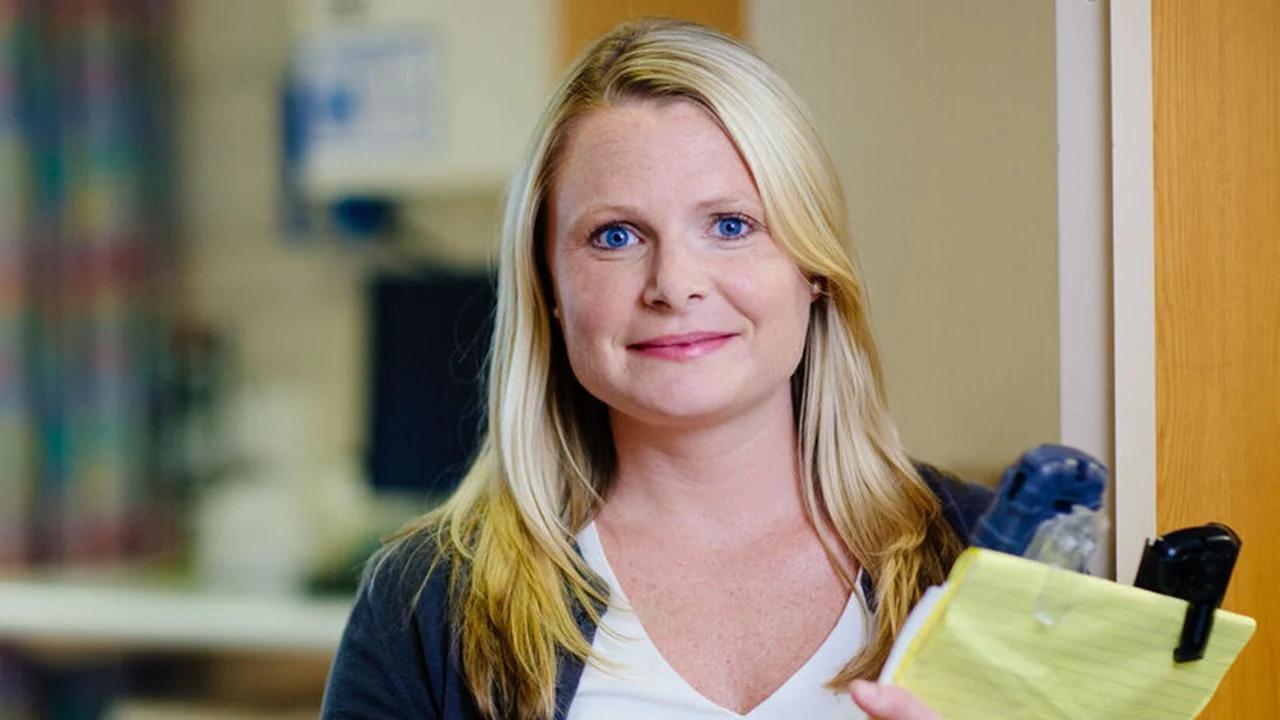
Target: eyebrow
x=593, y=211
x=727, y=200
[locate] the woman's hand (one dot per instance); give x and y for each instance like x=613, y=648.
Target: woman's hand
x=887, y=702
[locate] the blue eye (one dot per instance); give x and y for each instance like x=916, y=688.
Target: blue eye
x=732, y=227
x=615, y=236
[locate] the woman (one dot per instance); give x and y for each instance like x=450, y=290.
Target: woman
x=691, y=500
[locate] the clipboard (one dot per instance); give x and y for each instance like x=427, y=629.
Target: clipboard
x=979, y=647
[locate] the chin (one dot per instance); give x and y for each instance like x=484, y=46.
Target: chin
x=687, y=398
x=680, y=405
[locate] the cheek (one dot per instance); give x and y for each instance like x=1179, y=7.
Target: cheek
x=780, y=308
x=774, y=295
x=801, y=309
x=588, y=329
x=586, y=303
x=582, y=328
x=591, y=311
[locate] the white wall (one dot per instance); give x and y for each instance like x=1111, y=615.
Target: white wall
x=941, y=118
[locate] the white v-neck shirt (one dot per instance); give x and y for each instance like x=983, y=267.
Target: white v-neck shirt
x=639, y=684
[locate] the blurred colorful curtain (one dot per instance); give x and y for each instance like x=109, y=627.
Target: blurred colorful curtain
x=15, y=419
x=85, y=228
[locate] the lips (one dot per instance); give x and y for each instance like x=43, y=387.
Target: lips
x=685, y=339
x=686, y=346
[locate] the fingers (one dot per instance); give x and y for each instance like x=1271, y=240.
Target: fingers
x=888, y=702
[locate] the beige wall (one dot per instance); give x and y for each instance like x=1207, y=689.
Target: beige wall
x=940, y=117
x=290, y=311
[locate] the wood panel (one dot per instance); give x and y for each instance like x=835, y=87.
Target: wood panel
x=582, y=21
x=1216, y=87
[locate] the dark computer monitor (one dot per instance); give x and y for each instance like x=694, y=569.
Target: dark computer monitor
x=429, y=337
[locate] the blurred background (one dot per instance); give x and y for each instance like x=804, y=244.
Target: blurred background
x=245, y=284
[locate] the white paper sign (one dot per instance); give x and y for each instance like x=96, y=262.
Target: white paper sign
x=371, y=89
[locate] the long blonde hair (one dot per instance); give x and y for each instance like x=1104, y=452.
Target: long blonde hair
x=547, y=460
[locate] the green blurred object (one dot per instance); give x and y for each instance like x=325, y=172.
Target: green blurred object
x=343, y=578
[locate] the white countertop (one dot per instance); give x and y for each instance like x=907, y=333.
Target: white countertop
x=113, y=613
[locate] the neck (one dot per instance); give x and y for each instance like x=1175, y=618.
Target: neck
x=719, y=481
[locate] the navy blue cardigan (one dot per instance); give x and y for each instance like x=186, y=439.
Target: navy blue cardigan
x=394, y=664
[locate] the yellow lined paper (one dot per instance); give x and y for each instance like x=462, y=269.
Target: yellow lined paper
x=980, y=653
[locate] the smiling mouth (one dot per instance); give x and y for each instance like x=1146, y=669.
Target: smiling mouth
x=682, y=347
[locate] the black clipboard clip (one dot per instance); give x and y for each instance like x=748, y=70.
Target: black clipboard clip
x=1193, y=564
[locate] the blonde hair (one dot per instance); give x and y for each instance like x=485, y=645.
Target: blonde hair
x=547, y=460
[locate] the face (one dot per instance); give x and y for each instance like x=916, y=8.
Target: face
x=676, y=304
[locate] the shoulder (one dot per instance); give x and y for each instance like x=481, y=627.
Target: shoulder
x=962, y=503
x=407, y=572
x=406, y=586
x=394, y=659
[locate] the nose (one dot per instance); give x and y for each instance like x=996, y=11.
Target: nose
x=677, y=277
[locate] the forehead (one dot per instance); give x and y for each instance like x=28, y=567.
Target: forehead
x=649, y=145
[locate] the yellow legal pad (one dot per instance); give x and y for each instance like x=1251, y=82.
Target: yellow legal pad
x=976, y=648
